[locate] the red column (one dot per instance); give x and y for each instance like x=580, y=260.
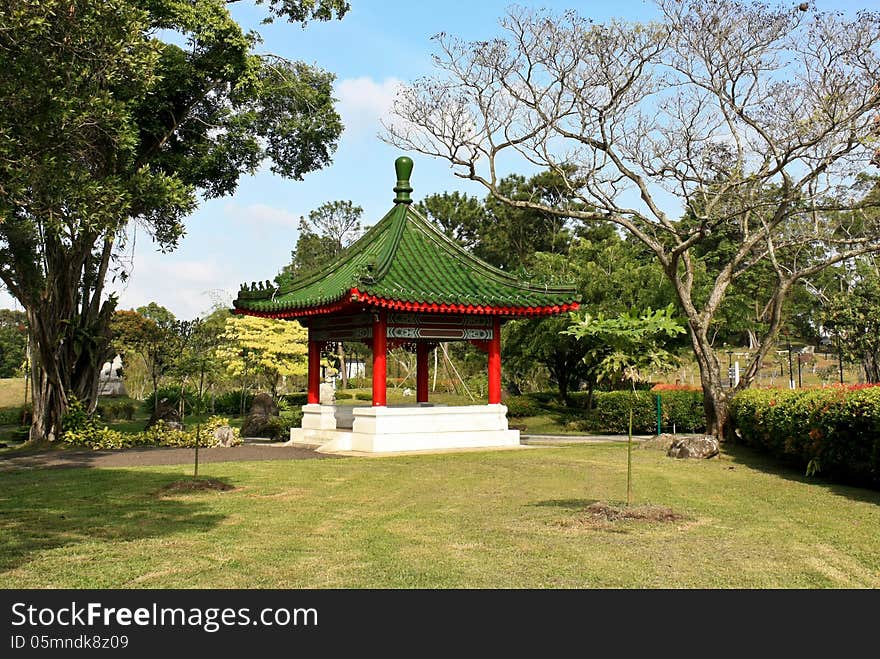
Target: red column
x=380, y=329
x=421, y=372
x=314, y=372
x=495, y=363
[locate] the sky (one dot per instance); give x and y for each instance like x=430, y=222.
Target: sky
x=248, y=236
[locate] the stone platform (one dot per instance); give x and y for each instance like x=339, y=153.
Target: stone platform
x=415, y=427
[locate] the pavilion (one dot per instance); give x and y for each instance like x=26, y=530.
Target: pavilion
x=404, y=283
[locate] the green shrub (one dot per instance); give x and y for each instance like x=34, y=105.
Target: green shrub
x=610, y=413
x=578, y=399
x=10, y=416
x=683, y=409
x=171, y=395
x=116, y=409
x=297, y=400
x=834, y=432
x=278, y=427
x=90, y=435
x=521, y=406
x=230, y=402
x=343, y=395
x=79, y=428
x=364, y=395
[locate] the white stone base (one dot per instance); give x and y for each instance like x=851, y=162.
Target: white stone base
x=403, y=428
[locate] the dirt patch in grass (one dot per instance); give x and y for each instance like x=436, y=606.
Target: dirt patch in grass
x=602, y=515
x=195, y=485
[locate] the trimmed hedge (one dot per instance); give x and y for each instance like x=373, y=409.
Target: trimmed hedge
x=610, y=413
x=10, y=416
x=834, y=432
x=522, y=406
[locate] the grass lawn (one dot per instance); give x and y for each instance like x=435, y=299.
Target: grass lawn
x=11, y=392
x=478, y=519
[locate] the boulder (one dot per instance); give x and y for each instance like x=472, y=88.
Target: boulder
x=263, y=405
x=661, y=442
x=258, y=419
x=167, y=412
x=705, y=446
x=224, y=436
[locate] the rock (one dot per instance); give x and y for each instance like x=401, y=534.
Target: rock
x=167, y=412
x=661, y=442
x=224, y=436
x=258, y=419
x=263, y=405
x=705, y=446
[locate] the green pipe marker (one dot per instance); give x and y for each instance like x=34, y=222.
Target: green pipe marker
x=659, y=414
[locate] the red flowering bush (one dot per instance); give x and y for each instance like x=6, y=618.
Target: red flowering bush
x=834, y=430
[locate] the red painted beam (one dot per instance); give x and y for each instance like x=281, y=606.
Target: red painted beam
x=495, y=363
x=380, y=350
x=314, y=372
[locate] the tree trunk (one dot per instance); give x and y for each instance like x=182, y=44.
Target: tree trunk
x=66, y=359
x=343, y=371
x=716, y=399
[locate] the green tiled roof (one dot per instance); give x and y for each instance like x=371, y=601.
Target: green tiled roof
x=404, y=259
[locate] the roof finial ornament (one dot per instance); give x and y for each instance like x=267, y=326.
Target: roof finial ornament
x=403, y=167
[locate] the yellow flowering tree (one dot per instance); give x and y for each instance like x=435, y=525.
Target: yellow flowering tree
x=252, y=346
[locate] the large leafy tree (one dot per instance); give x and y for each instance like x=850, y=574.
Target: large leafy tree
x=706, y=109
x=151, y=332
x=13, y=342
x=328, y=230
x=264, y=347
x=103, y=124
x=852, y=317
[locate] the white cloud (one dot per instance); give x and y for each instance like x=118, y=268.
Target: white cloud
x=261, y=214
x=363, y=102
x=187, y=288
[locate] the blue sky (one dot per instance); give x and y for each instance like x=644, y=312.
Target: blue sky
x=248, y=236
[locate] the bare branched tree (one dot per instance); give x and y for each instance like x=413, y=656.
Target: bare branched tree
x=723, y=119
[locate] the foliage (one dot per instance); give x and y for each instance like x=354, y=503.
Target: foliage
x=118, y=112
x=629, y=343
x=610, y=413
x=522, y=406
x=83, y=429
x=765, y=152
x=230, y=402
x=361, y=395
x=834, y=431
x=152, y=332
x=853, y=319
x=113, y=410
x=329, y=229
x=10, y=416
x=13, y=342
x=264, y=345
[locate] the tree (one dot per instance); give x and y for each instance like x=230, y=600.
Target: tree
x=852, y=317
x=13, y=342
x=459, y=216
x=329, y=229
x=751, y=118
x=263, y=346
x=153, y=333
x=105, y=124
x=612, y=276
x=624, y=346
